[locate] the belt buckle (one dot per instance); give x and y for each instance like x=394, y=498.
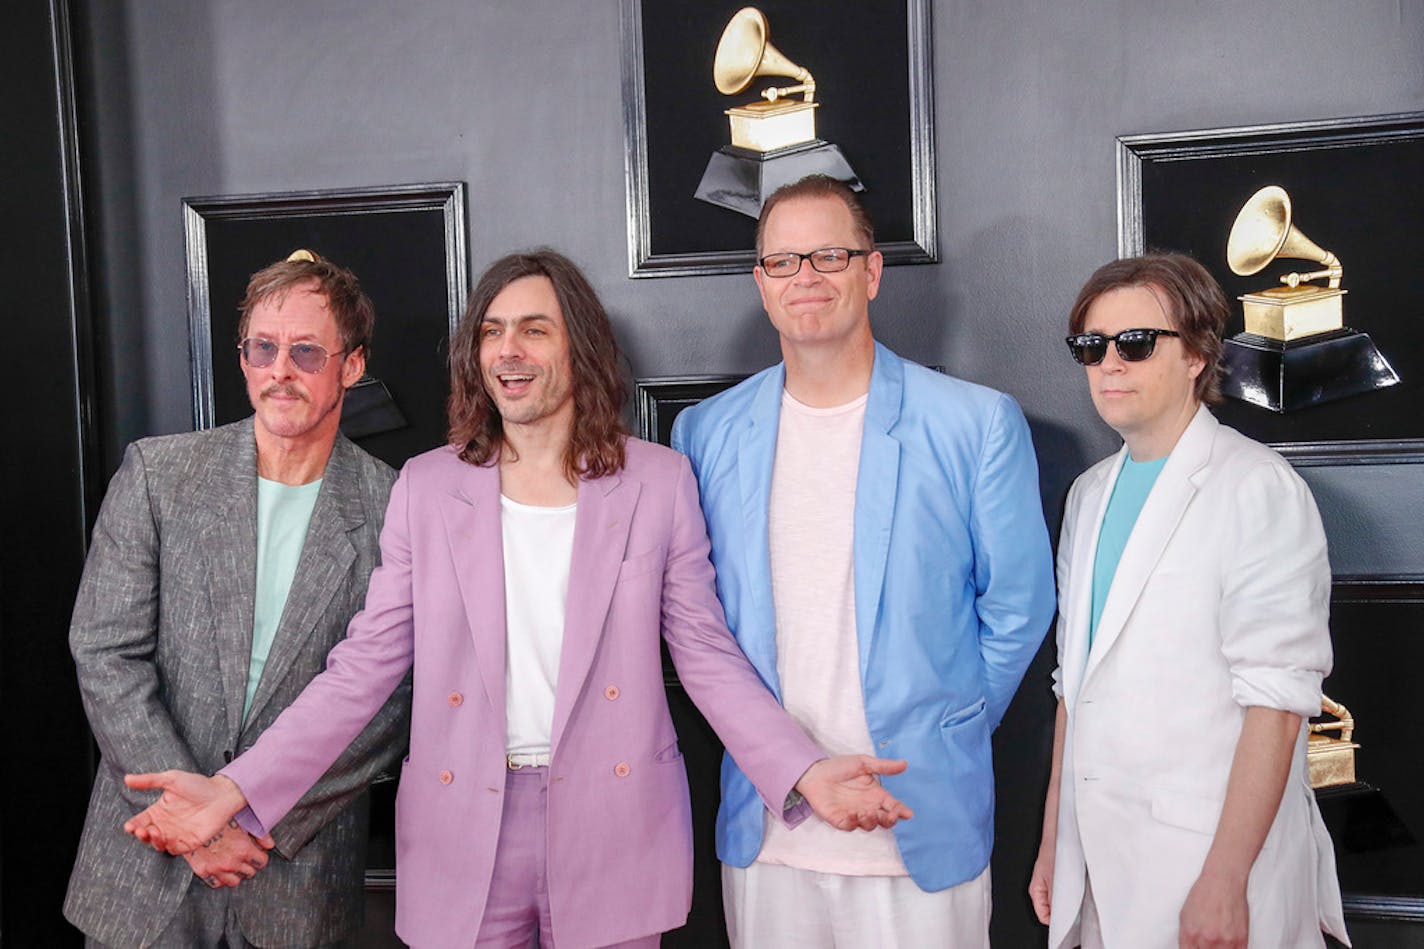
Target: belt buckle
x=511, y=764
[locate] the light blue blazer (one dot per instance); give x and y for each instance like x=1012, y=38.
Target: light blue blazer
x=953, y=589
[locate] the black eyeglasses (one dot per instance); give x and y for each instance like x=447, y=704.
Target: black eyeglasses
x=261, y=352
x=1132, y=345
x=825, y=260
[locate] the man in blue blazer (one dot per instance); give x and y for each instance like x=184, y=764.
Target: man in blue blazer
x=882, y=560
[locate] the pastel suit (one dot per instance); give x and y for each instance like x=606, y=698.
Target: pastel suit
x=1220, y=602
x=618, y=819
x=953, y=589
x=162, y=635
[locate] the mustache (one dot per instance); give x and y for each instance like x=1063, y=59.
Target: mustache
x=284, y=389
x=513, y=367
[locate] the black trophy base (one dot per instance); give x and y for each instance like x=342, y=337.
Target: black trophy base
x=368, y=409
x=1297, y=374
x=741, y=180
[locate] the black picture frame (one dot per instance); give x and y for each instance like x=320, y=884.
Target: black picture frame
x=874, y=79
x=405, y=243
x=1356, y=190
x=656, y=401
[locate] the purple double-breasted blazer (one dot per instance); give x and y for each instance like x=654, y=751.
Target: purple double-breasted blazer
x=619, y=824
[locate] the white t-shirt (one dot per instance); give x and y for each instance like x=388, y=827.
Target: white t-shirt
x=812, y=531
x=538, y=549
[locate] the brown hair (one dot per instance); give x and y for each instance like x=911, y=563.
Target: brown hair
x=596, y=443
x=354, y=314
x=819, y=186
x=1196, y=307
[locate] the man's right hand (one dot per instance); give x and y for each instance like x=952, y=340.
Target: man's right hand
x=231, y=858
x=1040, y=885
x=193, y=810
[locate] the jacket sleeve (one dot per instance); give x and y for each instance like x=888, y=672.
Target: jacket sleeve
x=1013, y=567
x=1275, y=607
x=761, y=736
x=113, y=635
x=361, y=693
x=380, y=744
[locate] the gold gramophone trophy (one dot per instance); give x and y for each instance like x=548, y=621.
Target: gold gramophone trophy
x=773, y=138
x=1296, y=351
x=1331, y=761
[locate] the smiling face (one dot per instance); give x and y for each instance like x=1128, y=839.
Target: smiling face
x=1150, y=402
x=524, y=355
x=291, y=403
x=813, y=309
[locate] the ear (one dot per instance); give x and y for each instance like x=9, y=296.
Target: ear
x=760, y=277
x=874, y=265
x=353, y=367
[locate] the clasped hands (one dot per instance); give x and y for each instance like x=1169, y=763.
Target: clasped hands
x=193, y=816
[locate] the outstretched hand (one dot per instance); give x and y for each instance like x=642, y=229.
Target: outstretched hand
x=845, y=793
x=192, y=812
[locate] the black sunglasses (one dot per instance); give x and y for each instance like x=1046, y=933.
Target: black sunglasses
x=1132, y=345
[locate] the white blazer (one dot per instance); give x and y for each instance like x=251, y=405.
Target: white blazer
x=1220, y=602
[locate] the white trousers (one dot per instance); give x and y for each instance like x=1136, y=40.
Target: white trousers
x=773, y=907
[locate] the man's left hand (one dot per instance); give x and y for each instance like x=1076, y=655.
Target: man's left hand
x=844, y=792
x=1215, y=915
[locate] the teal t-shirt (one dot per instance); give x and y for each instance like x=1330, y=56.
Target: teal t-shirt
x=283, y=513
x=1134, y=483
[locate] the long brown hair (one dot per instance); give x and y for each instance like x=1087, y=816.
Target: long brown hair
x=1198, y=307
x=596, y=443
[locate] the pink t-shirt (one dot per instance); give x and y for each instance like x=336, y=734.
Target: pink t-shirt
x=811, y=524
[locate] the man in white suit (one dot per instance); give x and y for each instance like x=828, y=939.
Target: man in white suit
x=1192, y=640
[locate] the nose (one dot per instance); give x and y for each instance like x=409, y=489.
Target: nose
x=1112, y=362
x=282, y=367
x=805, y=273
x=509, y=345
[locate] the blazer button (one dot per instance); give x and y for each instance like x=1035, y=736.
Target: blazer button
x=446, y=777
x=621, y=769
x=611, y=693
x=456, y=699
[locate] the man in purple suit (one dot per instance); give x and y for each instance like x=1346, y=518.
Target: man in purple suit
x=527, y=570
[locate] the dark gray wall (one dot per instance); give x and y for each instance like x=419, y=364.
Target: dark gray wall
x=521, y=100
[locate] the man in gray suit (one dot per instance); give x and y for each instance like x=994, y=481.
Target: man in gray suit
x=224, y=566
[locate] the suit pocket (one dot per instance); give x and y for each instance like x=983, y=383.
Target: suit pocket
x=639, y=565
x=1187, y=811
x=961, y=715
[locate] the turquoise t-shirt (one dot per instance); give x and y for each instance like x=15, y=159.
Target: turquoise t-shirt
x=283, y=513
x=1134, y=483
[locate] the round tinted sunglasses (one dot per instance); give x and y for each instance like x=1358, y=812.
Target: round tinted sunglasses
x=1132, y=345
x=261, y=352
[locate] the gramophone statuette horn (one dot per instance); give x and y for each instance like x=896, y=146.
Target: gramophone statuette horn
x=1263, y=232
x=745, y=53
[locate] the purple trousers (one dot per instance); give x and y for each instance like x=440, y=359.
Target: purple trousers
x=517, y=912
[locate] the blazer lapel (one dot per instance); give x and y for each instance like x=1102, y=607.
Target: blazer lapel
x=875, y=489
x=326, y=559
x=601, y=526
x=230, y=551
x=1085, y=544
x=756, y=453
x=1172, y=492
x=471, y=515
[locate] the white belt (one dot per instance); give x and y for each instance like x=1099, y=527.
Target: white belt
x=515, y=762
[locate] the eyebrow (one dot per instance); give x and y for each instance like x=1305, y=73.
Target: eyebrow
x=516, y=320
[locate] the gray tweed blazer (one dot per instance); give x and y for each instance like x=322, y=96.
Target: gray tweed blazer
x=161, y=636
